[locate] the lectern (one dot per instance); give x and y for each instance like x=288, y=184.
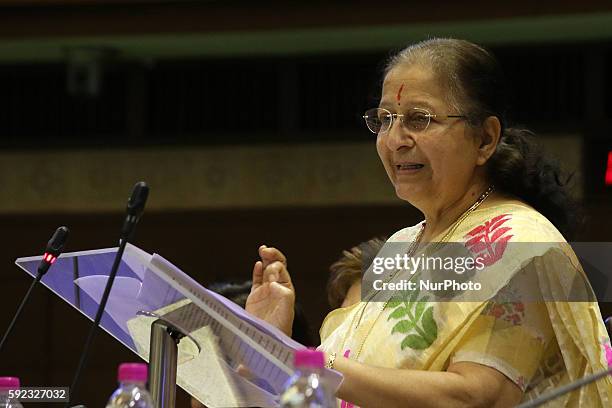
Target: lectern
x=189, y=335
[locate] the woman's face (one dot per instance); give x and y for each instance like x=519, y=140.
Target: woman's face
x=434, y=166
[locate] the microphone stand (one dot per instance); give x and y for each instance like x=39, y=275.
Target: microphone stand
x=16, y=317
x=134, y=211
x=52, y=251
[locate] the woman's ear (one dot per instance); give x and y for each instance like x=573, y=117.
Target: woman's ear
x=490, y=136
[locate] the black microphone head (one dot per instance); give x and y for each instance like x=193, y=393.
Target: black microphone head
x=57, y=241
x=135, y=208
x=138, y=199
x=54, y=248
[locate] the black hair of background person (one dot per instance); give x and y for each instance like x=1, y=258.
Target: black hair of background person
x=238, y=292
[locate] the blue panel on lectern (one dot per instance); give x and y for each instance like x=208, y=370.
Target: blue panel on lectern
x=80, y=278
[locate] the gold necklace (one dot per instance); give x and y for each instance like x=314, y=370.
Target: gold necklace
x=411, y=251
x=467, y=212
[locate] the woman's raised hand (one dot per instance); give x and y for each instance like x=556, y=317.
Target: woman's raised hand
x=272, y=296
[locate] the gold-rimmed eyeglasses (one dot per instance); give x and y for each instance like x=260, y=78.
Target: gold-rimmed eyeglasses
x=380, y=120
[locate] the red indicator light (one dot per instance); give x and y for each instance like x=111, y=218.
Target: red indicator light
x=52, y=260
x=609, y=170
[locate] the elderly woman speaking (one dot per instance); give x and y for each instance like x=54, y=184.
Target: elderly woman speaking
x=443, y=141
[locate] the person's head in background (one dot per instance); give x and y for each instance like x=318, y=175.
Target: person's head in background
x=344, y=285
x=238, y=291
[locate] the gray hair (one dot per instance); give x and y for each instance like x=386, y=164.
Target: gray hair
x=468, y=71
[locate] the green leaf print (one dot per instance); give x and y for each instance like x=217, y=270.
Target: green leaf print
x=420, y=308
x=414, y=341
x=416, y=320
x=398, y=313
x=403, y=326
x=429, y=324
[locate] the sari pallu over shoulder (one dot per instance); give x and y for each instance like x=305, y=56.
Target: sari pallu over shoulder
x=532, y=294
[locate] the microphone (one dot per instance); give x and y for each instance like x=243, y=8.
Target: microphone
x=52, y=251
x=135, y=208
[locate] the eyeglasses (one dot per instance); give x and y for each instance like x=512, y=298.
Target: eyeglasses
x=380, y=120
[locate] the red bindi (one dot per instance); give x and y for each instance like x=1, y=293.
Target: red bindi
x=399, y=94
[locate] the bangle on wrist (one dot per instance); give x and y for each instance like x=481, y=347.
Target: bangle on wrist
x=330, y=361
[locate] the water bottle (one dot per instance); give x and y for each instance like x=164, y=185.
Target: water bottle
x=7, y=384
x=307, y=387
x=132, y=392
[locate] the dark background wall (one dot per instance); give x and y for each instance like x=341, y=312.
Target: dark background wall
x=122, y=77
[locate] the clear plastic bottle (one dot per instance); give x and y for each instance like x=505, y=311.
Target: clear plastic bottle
x=6, y=384
x=307, y=387
x=132, y=391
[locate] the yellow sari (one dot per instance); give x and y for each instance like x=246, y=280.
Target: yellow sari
x=531, y=337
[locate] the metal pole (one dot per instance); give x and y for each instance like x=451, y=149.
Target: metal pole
x=163, y=360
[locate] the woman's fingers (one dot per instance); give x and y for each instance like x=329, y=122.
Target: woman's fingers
x=277, y=272
x=272, y=272
x=257, y=275
x=271, y=268
x=269, y=255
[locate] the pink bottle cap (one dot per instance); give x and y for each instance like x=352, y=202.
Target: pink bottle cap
x=309, y=358
x=137, y=372
x=9, y=383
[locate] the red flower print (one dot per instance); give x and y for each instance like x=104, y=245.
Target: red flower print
x=489, y=240
x=497, y=311
x=511, y=312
